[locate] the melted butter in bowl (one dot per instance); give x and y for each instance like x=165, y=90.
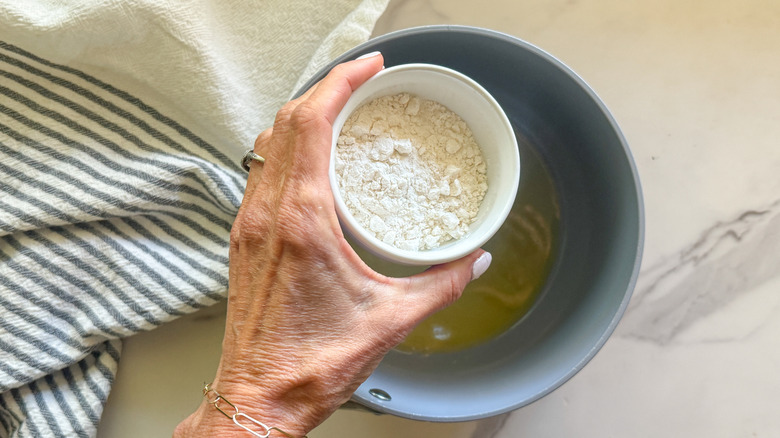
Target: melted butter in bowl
x=523, y=253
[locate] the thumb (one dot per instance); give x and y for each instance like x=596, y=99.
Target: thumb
x=441, y=285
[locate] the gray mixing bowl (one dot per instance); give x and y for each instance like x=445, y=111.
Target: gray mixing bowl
x=558, y=117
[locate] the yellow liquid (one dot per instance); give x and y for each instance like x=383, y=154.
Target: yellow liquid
x=523, y=253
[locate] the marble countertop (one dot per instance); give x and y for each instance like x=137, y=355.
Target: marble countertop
x=695, y=87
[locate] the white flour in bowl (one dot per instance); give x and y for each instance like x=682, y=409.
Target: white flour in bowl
x=410, y=171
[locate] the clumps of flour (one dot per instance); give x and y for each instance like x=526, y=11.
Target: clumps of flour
x=410, y=171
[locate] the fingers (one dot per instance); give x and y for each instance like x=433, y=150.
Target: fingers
x=441, y=285
x=330, y=95
x=313, y=118
x=302, y=131
x=341, y=80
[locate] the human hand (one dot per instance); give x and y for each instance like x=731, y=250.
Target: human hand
x=307, y=320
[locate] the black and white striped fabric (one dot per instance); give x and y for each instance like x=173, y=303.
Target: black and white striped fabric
x=113, y=219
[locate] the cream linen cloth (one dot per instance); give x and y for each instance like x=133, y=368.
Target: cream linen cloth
x=121, y=126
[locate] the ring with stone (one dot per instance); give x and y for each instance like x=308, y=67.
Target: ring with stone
x=248, y=157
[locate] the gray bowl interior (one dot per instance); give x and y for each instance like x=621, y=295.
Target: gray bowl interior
x=557, y=116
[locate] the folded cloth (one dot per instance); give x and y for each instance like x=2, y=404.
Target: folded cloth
x=121, y=127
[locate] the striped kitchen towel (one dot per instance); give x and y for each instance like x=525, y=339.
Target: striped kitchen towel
x=121, y=125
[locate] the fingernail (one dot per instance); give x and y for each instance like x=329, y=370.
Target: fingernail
x=368, y=55
x=481, y=265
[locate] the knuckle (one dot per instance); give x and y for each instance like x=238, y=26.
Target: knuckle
x=286, y=109
x=283, y=116
x=262, y=138
x=456, y=290
x=293, y=221
x=235, y=236
x=297, y=238
x=248, y=228
x=309, y=196
x=449, y=289
x=305, y=114
x=339, y=70
x=300, y=217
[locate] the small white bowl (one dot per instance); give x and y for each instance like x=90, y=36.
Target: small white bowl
x=491, y=129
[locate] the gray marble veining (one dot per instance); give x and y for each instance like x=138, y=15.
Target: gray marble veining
x=730, y=259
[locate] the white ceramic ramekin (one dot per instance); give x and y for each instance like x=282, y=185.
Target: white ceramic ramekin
x=491, y=129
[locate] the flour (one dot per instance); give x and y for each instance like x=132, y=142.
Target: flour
x=410, y=171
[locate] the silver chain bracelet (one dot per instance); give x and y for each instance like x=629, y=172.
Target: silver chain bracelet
x=266, y=430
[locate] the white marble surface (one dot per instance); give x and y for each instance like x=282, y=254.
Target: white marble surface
x=696, y=88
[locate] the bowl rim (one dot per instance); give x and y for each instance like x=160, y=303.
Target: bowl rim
x=451, y=250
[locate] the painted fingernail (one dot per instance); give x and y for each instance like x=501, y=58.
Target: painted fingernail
x=481, y=265
x=368, y=55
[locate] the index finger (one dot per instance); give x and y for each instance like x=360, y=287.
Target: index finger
x=314, y=113
x=330, y=95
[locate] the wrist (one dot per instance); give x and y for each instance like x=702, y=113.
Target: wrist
x=216, y=413
x=281, y=399
x=292, y=395
x=266, y=403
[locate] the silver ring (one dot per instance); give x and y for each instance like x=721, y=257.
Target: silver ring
x=248, y=157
